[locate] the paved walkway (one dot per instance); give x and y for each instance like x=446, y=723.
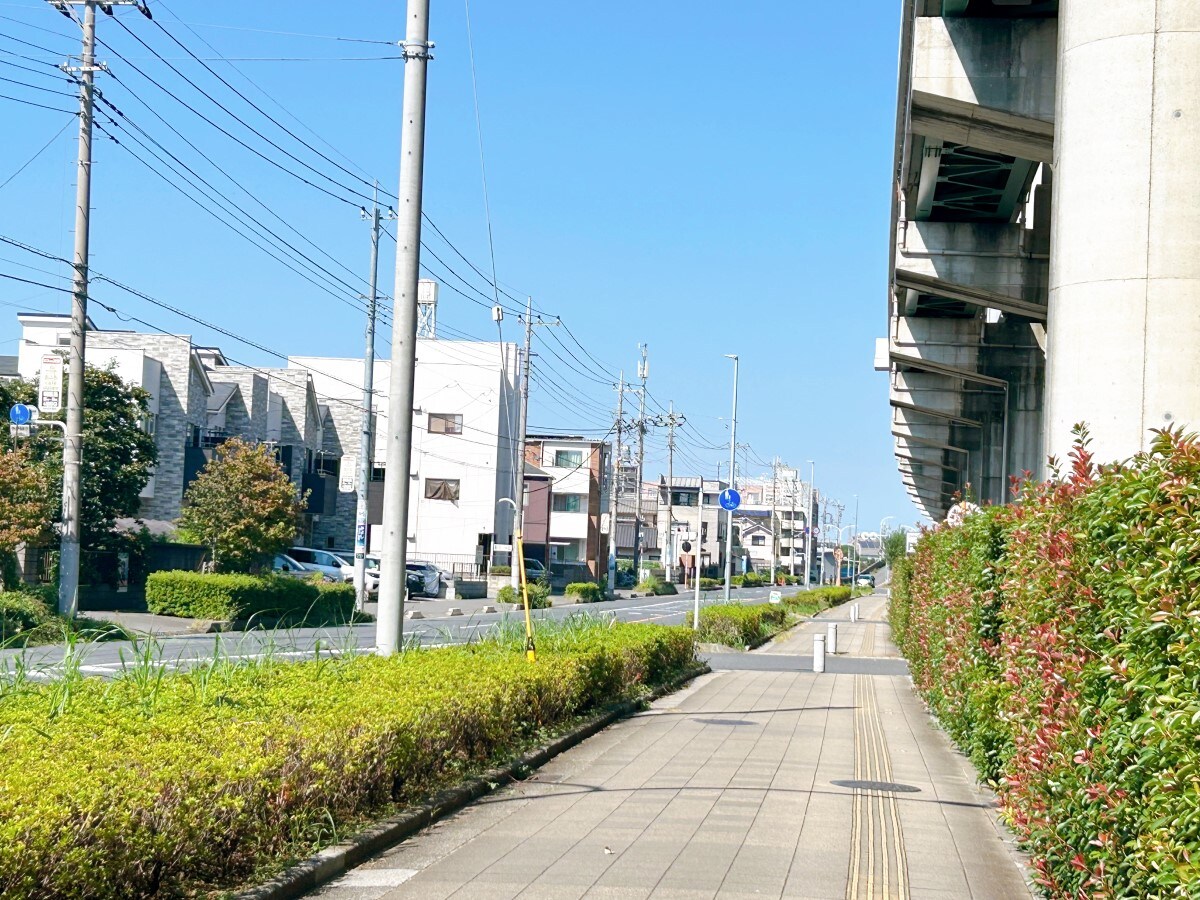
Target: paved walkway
x=754, y=782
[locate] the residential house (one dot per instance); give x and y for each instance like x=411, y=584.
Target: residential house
x=579, y=467
x=539, y=503
x=627, y=514
x=464, y=429
x=693, y=522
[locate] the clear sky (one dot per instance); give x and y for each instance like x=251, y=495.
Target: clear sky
x=706, y=178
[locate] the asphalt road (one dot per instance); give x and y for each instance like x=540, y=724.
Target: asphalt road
x=436, y=629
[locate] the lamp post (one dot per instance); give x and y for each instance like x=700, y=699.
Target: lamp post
x=732, y=478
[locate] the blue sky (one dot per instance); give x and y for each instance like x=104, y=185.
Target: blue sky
x=659, y=172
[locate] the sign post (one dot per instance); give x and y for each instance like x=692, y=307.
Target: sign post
x=50, y=383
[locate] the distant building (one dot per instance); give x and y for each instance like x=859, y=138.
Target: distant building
x=703, y=527
x=579, y=467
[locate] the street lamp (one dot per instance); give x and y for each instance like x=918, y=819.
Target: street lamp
x=732, y=478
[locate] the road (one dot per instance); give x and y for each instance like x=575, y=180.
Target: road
x=436, y=629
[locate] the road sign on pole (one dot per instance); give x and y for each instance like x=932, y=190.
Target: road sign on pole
x=20, y=414
x=50, y=383
x=730, y=499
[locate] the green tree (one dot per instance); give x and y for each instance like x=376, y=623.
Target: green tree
x=26, y=508
x=118, y=454
x=895, y=546
x=242, y=506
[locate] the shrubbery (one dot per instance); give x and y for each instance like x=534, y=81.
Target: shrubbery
x=710, y=584
x=585, y=592
x=190, y=783
x=539, y=595
x=738, y=626
x=652, y=584
x=1058, y=641
x=199, y=595
x=20, y=613
x=500, y=570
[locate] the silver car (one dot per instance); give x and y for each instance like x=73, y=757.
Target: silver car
x=323, y=561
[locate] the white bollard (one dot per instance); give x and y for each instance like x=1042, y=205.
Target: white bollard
x=818, y=653
x=854, y=613
x=831, y=638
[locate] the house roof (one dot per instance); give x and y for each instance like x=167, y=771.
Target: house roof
x=532, y=471
x=625, y=533
x=222, y=391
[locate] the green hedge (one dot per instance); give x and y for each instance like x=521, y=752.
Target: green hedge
x=189, y=784
x=1058, y=641
x=20, y=613
x=738, y=626
x=654, y=585
x=198, y=595
x=539, y=595
x=500, y=570
x=585, y=592
x=711, y=584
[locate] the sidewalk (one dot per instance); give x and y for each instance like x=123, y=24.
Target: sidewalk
x=753, y=782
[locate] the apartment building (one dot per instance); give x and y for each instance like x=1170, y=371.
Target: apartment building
x=694, y=516
x=579, y=467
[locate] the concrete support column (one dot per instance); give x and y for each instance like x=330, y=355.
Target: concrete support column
x=1124, y=318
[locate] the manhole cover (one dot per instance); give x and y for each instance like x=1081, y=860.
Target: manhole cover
x=890, y=786
x=723, y=721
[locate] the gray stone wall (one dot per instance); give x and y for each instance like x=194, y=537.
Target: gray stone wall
x=246, y=412
x=342, y=438
x=178, y=410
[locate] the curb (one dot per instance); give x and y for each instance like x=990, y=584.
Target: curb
x=331, y=862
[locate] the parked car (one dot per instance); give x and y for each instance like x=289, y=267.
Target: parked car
x=323, y=561
x=534, y=569
x=423, y=579
x=283, y=564
x=866, y=580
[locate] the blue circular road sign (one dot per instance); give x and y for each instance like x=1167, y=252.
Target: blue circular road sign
x=20, y=414
x=730, y=499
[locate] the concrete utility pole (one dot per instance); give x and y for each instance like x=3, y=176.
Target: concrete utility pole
x=854, y=543
x=68, y=563
x=523, y=419
x=614, y=488
x=774, y=511
x=401, y=385
x=643, y=371
x=671, y=421
x=792, y=553
x=810, y=525
x=732, y=479
x=365, y=432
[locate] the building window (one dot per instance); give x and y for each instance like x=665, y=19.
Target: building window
x=150, y=424
x=758, y=540
x=711, y=499
x=378, y=471
x=445, y=423
x=569, y=502
x=329, y=465
x=683, y=498
x=441, y=489
x=568, y=459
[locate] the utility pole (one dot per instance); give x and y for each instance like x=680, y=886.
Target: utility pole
x=401, y=384
x=732, y=480
x=811, y=528
x=365, y=432
x=523, y=419
x=643, y=371
x=68, y=564
x=774, y=512
x=670, y=422
x=792, y=502
x=614, y=488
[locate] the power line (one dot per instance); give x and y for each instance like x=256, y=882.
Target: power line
x=31, y=159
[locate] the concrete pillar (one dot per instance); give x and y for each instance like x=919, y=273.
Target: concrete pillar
x=1124, y=319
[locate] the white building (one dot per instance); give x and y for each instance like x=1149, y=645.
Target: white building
x=464, y=448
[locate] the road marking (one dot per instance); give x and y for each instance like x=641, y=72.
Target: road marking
x=881, y=872
x=868, y=642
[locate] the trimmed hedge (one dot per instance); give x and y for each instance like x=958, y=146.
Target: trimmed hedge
x=711, y=584
x=738, y=626
x=656, y=586
x=199, y=595
x=1058, y=641
x=539, y=595
x=20, y=613
x=500, y=570
x=585, y=592
x=191, y=783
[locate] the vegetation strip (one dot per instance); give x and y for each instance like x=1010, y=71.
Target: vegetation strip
x=1058, y=642
x=162, y=784
x=333, y=861
x=739, y=625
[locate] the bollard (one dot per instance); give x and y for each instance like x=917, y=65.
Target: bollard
x=854, y=613
x=818, y=653
x=831, y=638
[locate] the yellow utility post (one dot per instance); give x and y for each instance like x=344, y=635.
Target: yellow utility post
x=530, y=650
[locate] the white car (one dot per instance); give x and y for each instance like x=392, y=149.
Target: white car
x=324, y=562
x=424, y=579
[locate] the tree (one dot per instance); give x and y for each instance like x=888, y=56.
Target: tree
x=242, y=506
x=118, y=454
x=26, y=507
x=895, y=545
